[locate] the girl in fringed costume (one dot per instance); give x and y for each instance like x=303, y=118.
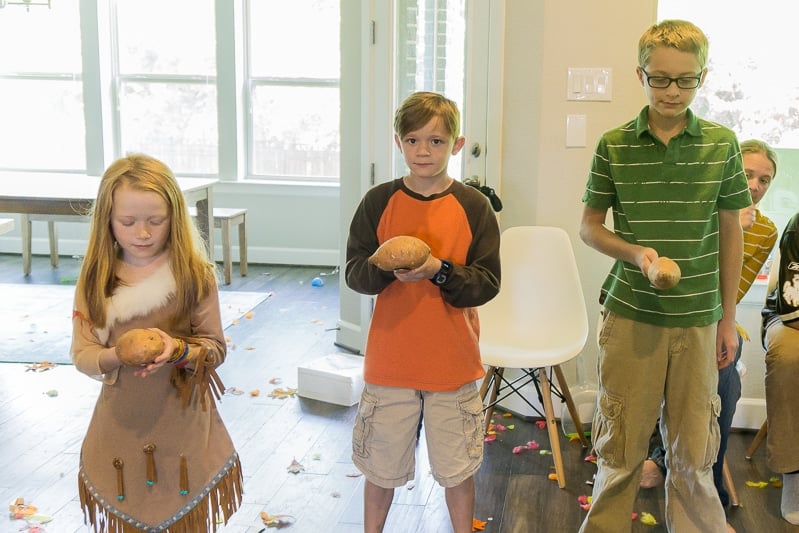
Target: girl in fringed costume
x=156, y=456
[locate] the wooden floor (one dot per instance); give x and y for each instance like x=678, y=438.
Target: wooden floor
x=41, y=435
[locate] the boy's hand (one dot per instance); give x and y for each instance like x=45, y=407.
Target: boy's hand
x=747, y=215
x=726, y=343
x=428, y=269
x=644, y=259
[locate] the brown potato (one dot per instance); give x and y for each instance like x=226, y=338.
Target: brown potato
x=137, y=347
x=664, y=273
x=401, y=253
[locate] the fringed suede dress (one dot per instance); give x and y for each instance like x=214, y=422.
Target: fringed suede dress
x=156, y=456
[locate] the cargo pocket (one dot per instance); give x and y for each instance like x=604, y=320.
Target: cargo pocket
x=363, y=425
x=714, y=433
x=471, y=408
x=608, y=430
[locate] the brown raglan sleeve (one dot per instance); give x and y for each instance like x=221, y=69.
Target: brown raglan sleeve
x=362, y=242
x=476, y=282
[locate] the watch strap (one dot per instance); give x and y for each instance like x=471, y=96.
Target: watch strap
x=443, y=274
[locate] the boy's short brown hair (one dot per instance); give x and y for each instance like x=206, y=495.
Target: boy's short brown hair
x=680, y=34
x=420, y=107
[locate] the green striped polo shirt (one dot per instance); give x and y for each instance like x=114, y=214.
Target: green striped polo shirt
x=668, y=198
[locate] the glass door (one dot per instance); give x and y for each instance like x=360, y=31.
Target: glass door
x=447, y=46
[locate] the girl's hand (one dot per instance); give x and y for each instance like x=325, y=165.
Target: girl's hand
x=170, y=345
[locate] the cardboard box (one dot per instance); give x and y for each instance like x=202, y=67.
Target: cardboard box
x=335, y=378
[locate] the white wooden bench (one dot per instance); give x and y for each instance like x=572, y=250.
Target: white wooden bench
x=225, y=218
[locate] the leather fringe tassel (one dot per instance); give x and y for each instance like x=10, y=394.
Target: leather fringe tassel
x=223, y=500
x=149, y=450
x=118, y=465
x=184, y=476
x=201, y=385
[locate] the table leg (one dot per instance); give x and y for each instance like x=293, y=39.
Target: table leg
x=25, y=222
x=205, y=224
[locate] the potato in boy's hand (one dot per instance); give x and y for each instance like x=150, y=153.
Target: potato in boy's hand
x=400, y=253
x=137, y=347
x=664, y=273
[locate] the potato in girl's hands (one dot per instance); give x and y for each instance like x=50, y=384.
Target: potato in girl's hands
x=138, y=347
x=664, y=273
x=402, y=252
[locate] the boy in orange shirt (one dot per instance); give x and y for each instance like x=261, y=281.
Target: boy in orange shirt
x=422, y=356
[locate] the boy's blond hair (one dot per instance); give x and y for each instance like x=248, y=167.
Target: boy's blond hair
x=679, y=34
x=420, y=107
x=194, y=273
x=756, y=146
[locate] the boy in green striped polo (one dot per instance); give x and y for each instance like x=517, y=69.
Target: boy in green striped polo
x=675, y=184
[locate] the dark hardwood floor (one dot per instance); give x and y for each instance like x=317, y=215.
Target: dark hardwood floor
x=41, y=434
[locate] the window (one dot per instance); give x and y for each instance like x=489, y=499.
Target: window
x=245, y=89
x=166, y=83
x=42, y=89
x=750, y=87
x=430, y=56
x=293, y=81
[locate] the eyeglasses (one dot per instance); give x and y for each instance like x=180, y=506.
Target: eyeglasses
x=662, y=82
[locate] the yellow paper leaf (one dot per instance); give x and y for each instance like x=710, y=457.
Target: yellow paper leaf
x=276, y=520
x=648, y=519
x=281, y=393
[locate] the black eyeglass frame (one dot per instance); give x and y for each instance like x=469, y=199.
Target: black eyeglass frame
x=683, y=82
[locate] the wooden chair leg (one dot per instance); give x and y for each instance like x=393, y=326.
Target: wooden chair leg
x=25, y=223
x=227, y=261
x=567, y=396
x=552, y=427
x=243, y=246
x=52, y=235
x=492, y=379
x=730, y=484
x=486, y=382
x=761, y=434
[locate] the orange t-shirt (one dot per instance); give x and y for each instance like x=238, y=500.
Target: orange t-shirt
x=423, y=336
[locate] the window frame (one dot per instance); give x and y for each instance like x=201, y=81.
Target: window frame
x=251, y=84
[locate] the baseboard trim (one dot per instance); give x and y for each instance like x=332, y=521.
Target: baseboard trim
x=255, y=254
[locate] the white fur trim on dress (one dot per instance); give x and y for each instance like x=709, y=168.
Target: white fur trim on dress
x=130, y=301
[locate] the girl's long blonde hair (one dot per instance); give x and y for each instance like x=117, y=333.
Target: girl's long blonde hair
x=194, y=273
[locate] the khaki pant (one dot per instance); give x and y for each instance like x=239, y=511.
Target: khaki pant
x=782, y=382
x=387, y=424
x=646, y=371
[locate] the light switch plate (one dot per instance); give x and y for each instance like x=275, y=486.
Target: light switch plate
x=575, y=131
x=589, y=84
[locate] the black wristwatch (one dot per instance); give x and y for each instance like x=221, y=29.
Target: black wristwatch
x=443, y=273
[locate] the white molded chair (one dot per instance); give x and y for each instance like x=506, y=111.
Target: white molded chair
x=537, y=322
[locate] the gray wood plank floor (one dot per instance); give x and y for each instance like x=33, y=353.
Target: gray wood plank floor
x=41, y=435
